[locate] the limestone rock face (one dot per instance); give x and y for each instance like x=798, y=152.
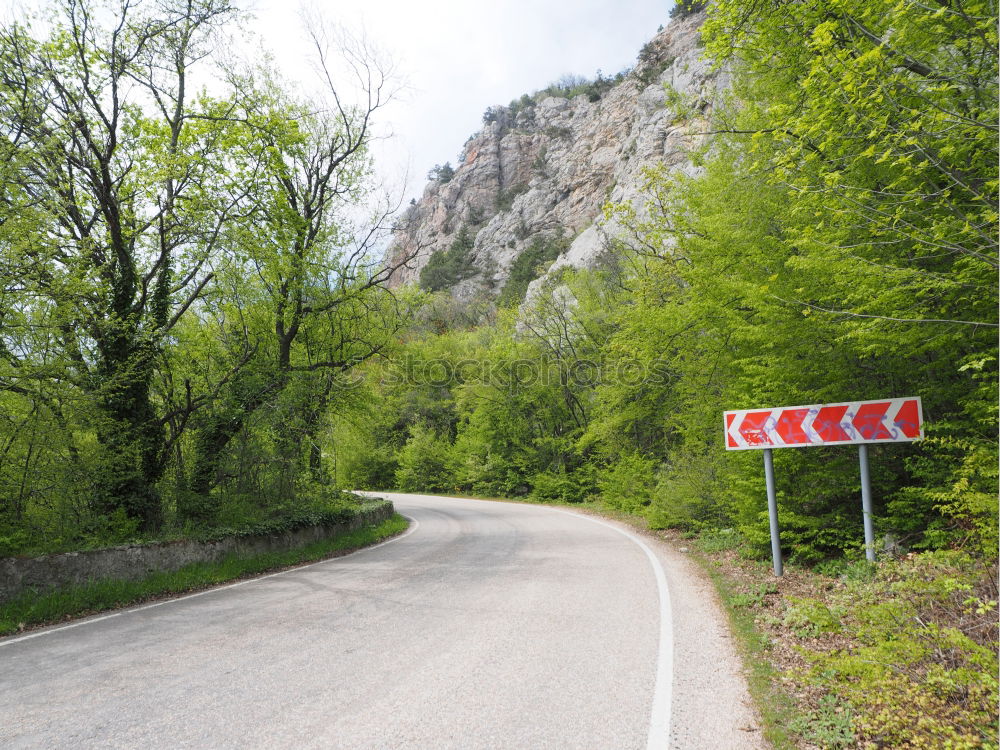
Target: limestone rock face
x=546, y=168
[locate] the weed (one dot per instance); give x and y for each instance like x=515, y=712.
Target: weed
x=830, y=726
x=755, y=597
x=810, y=617
x=714, y=541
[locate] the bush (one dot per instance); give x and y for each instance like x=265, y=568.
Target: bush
x=687, y=492
x=372, y=469
x=505, y=198
x=921, y=667
x=685, y=8
x=627, y=484
x=425, y=462
x=448, y=267
x=489, y=475
x=441, y=173
x=549, y=487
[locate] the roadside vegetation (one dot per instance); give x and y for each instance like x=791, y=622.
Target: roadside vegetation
x=900, y=655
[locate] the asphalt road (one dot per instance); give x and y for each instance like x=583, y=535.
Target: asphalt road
x=488, y=625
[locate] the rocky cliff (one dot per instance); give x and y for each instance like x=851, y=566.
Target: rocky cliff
x=534, y=180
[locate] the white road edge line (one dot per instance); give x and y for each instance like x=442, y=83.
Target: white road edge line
x=414, y=524
x=659, y=720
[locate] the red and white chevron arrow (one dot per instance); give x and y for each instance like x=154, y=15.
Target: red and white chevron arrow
x=893, y=420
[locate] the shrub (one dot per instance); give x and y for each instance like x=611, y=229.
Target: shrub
x=441, y=172
x=548, y=486
x=687, y=492
x=494, y=114
x=627, y=484
x=372, y=469
x=810, y=617
x=448, y=267
x=425, y=462
x=492, y=476
x=505, y=198
x=528, y=266
x=921, y=670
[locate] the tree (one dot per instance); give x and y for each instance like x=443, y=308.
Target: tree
x=685, y=8
x=115, y=186
x=441, y=173
x=172, y=262
x=309, y=273
x=445, y=268
x=881, y=122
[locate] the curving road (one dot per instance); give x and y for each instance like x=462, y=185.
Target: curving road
x=488, y=625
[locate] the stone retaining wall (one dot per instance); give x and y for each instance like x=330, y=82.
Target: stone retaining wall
x=136, y=561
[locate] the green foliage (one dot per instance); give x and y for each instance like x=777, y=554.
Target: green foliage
x=566, y=87
x=829, y=726
x=441, y=173
x=652, y=61
x=493, y=114
x=685, y=8
x=717, y=540
x=779, y=280
x=551, y=487
x=505, y=198
x=292, y=522
x=810, y=617
x=184, y=282
x=445, y=268
x=687, y=492
x=557, y=132
x=424, y=462
x=922, y=670
x=570, y=86
x=778, y=711
x=628, y=484
x=798, y=266
x=754, y=597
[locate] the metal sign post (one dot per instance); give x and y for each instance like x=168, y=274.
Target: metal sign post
x=772, y=512
x=860, y=423
x=866, y=503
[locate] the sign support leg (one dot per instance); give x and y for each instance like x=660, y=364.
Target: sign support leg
x=772, y=511
x=866, y=503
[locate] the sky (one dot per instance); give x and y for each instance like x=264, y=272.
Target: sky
x=458, y=58
x=453, y=59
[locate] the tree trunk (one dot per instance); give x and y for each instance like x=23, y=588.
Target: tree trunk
x=130, y=434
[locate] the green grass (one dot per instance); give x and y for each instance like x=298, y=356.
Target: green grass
x=32, y=609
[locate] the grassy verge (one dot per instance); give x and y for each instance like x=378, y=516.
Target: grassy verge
x=31, y=610
x=902, y=654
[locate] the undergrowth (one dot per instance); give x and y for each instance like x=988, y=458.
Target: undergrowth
x=902, y=654
x=920, y=670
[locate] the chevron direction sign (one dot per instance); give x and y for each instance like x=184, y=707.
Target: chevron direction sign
x=892, y=420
